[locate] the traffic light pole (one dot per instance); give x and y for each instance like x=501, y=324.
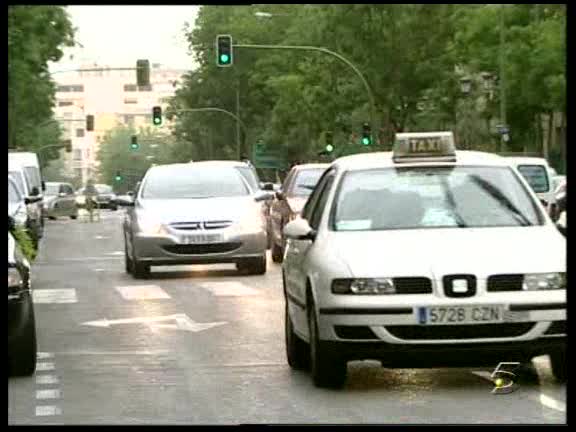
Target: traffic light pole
x=333, y=54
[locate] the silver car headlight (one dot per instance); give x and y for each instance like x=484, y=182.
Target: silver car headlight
x=364, y=286
x=150, y=226
x=14, y=278
x=544, y=281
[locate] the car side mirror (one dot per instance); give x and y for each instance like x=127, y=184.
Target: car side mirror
x=280, y=196
x=268, y=187
x=263, y=196
x=35, y=191
x=11, y=223
x=299, y=229
x=130, y=194
x=43, y=186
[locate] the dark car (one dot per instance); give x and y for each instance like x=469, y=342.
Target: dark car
x=290, y=200
x=21, y=324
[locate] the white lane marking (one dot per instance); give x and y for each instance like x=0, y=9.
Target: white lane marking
x=43, y=367
x=54, y=295
x=99, y=270
x=142, y=292
x=48, y=394
x=44, y=355
x=46, y=379
x=116, y=253
x=98, y=237
x=48, y=410
x=182, y=322
x=229, y=289
x=552, y=403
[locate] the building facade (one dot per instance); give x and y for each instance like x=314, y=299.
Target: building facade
x=114, y=99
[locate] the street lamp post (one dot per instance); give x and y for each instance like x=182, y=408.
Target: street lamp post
x=503, y=136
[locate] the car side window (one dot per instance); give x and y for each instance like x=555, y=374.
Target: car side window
x=311, y=202
x=318, y=209
x=68, y=190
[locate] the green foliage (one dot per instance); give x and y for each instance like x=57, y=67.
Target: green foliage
x=22, y=237
x=36, y=35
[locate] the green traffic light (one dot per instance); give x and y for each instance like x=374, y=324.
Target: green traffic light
x=134, y=146
x=365, y=141
x=224, y=58
x=329, y=148
x=118, y=178
x=157, y=120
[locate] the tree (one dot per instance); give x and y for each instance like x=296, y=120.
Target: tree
x=36, y=36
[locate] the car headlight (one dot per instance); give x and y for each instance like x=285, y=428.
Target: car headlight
x=14, y=278
x=150, y=226
x=363, y=286
x=544, y=281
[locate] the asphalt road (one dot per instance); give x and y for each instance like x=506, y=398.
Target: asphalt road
x=204, y=345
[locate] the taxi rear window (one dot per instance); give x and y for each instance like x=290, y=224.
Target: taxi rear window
x=432, y=197
x=536, y=176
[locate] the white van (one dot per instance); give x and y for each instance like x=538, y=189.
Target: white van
x=25, y=170
x=538, y=174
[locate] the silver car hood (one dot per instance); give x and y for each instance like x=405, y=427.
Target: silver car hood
x=199, y=209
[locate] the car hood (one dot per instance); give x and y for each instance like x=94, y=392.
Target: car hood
x=296, y=203
x=200, y=209
x=437, y=252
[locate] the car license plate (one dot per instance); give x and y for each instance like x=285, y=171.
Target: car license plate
x=469, y=314
x=201, y=239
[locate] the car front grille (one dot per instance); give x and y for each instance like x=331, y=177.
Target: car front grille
x=505, y=282
x=355, y=332
x=201, y=249
x=194, y=226
x=413, y=285
x=473, y=331
x=557, y=327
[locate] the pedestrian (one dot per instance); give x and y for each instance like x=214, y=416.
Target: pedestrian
x=90, y=193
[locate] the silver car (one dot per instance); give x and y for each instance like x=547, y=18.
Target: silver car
x=195, y=214
x=60, y=200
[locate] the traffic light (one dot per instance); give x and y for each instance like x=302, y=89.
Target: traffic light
x=89, y=122
x=142, y=73
x=366, y=135
x=157, y=115
x=134, y=143
x=68, y=146
x=224, y=50
x=118, y=176
x=329, y=140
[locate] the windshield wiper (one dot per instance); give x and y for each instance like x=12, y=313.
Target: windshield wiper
x=459, y=220
x=495, y=193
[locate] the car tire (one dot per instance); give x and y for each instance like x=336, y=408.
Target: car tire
x=52, y=217
x=22, y=356
x=128, y=265
x=328, y=369
x=253, y=266
x=139, y=269
x=277, y=253
x=297, y=351
x=559, y=365
x=74, y=217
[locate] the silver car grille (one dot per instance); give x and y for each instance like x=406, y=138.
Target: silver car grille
x=204, y=225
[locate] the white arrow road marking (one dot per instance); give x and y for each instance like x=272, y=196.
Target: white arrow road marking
x=54, y=295
x=142, y=292
x=182, y=322
x=229, y=289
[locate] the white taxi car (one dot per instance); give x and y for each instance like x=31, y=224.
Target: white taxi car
x=423, y=257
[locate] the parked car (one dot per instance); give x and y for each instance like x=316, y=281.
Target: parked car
x=21, y=324
x=60, y=200
x=106, y=198
x=194, y=213
x=537, y=173
x=33, y=198
x=19, y=209
x=290, y=200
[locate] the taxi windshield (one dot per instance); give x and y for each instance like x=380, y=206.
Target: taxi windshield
x=438, y=197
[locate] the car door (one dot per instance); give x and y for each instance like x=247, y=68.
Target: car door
x=297, y=252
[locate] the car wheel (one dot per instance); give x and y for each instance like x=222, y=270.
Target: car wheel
x=139, y=269
x=253, y=266
x=22, y=357
x=128, y=265
x=74, y=216
x=297, y=351
x=277, y=253
x=52, y=217
x=559, y=365
x=328, y=368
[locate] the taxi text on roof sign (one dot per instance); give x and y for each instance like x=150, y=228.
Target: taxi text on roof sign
x=424, y=146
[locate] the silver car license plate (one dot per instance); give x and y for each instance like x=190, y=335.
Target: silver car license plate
x=201, y=238
x=453, y=315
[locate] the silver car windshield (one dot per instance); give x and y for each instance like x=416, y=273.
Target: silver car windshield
x=52, y=189
x=439, y=197
x=305, y=182
x=193, y=182
x=250, y=177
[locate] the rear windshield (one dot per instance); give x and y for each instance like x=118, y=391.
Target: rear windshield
x=33, y=176
x=52, y=189
x=536, y=176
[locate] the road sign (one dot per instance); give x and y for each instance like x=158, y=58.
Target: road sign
x=264, y=157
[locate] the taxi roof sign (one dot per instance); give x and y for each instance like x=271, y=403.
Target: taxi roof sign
x=424, y=147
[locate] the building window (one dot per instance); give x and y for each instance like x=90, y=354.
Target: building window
x=129, y=120
x=70, y=88
x=77, y=154
x=79, y=133
x=146, y=88
x=65, y=103
x=130, y=101
x=130, y=87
